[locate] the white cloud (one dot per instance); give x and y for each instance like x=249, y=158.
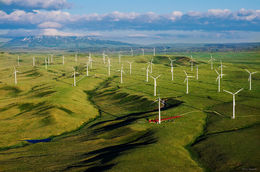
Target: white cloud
x=54, y=32
x=49, y=25
x=37, y=4
x=175, y=15
x=219, y=12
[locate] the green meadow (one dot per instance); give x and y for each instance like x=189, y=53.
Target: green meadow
x=103, y=125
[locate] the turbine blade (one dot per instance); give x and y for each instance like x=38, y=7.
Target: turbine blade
x=247, y=71
x=239, y=90
x=216, y=71
x=185, y=72
x=228, y=92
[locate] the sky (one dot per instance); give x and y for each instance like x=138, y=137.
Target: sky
x=134, y=21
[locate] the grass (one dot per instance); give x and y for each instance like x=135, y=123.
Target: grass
x=103, y=125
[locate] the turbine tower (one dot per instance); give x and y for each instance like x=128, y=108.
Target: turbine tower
x=132, y=52
x=108, y=65
x=18, y=61
x=155, y=84
x=130, y=67
x=15, y=76
x=159, y=100
x=151, y=65
x=46, y=64
x=147, y=73
x=153, y=51
x=121, y=71
x=87, y=64
x=250, y=78
x=143, y=51
x=221, y=68
x=33, y=61
x=234, y=101
x=74, y=76
x=211, y=60
x=63, y=60
x=187, y=81
x=218, y=79
x=197, y=73
x=191, y=63
x=172, y=66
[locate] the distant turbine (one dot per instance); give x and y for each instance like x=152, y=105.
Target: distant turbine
x=48, y=60
x=191, y=63
x=211, y=62
x=164, y=50
x=33, y=61
x=76, y=57
x=250, y=78
x=63, y=60
x=151, y=65
x=51, y=58
x=147, y=73
x=132, y=52
x=90, y=60
x=155, y=85
x=153, y=51
x=46, y=64
x=87, y=64
x=130, y=67
x=234, y=102
x=104, y=57
x=15, y=76
x=218, y=79
x=172, y=66
x=121, y=71
x=74, y=76
x=108, y=65
x=221, y=68
x=143, y=51
x=187, y=81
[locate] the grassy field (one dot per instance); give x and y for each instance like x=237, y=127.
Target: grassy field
x=102, y=124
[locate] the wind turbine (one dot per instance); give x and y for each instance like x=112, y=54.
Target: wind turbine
x=151, y=65
x=143, y=51
x=187, y=81
x=46, y=64
x=153, y=51
x=191, y=63
x=234, y=102
x=155, y=85
x=121, y=71
x=109, y=65
x=33, y=61
x=132, y=52
x=250, y=78
x=218, y=79
x=15, y=76
x=147, y=73
x=48, y=60
x=104, y=57
x=211, y=62
x=63, y=60
x=221, y=68
x=172, y=66
x=130, y=67
x=74, y=76
x=159, y=100
x=164, y=50
x=90, y=60
x=87, y=64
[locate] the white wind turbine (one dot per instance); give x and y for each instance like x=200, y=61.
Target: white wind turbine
x=48, y=60
x=90, y=60
x=218, y=79
x=234, y=102
x=87, y=64
x=132, y=52
x=108, y=65
x=151, y=65
x=46, y=64
x=250, y=78
x=155, y=84
x=147, y=72
x=121, y=72
x=74, y=76
x=33, y=61
x=63, y=60
x=221, y=68
x=159, y=100
x=153, y=51
x=130, y=67
x=143, y=51
x=187, y=81
x=211, y=60
x=191, y=63
x=15, y=76
x=172, y=66
x=104, y=57
x=51, y=58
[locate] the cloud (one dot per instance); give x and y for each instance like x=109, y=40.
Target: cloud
x=212, y=20
x=49, y=25
x=34, y=4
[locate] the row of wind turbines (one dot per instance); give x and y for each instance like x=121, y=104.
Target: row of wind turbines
x=149, y=70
